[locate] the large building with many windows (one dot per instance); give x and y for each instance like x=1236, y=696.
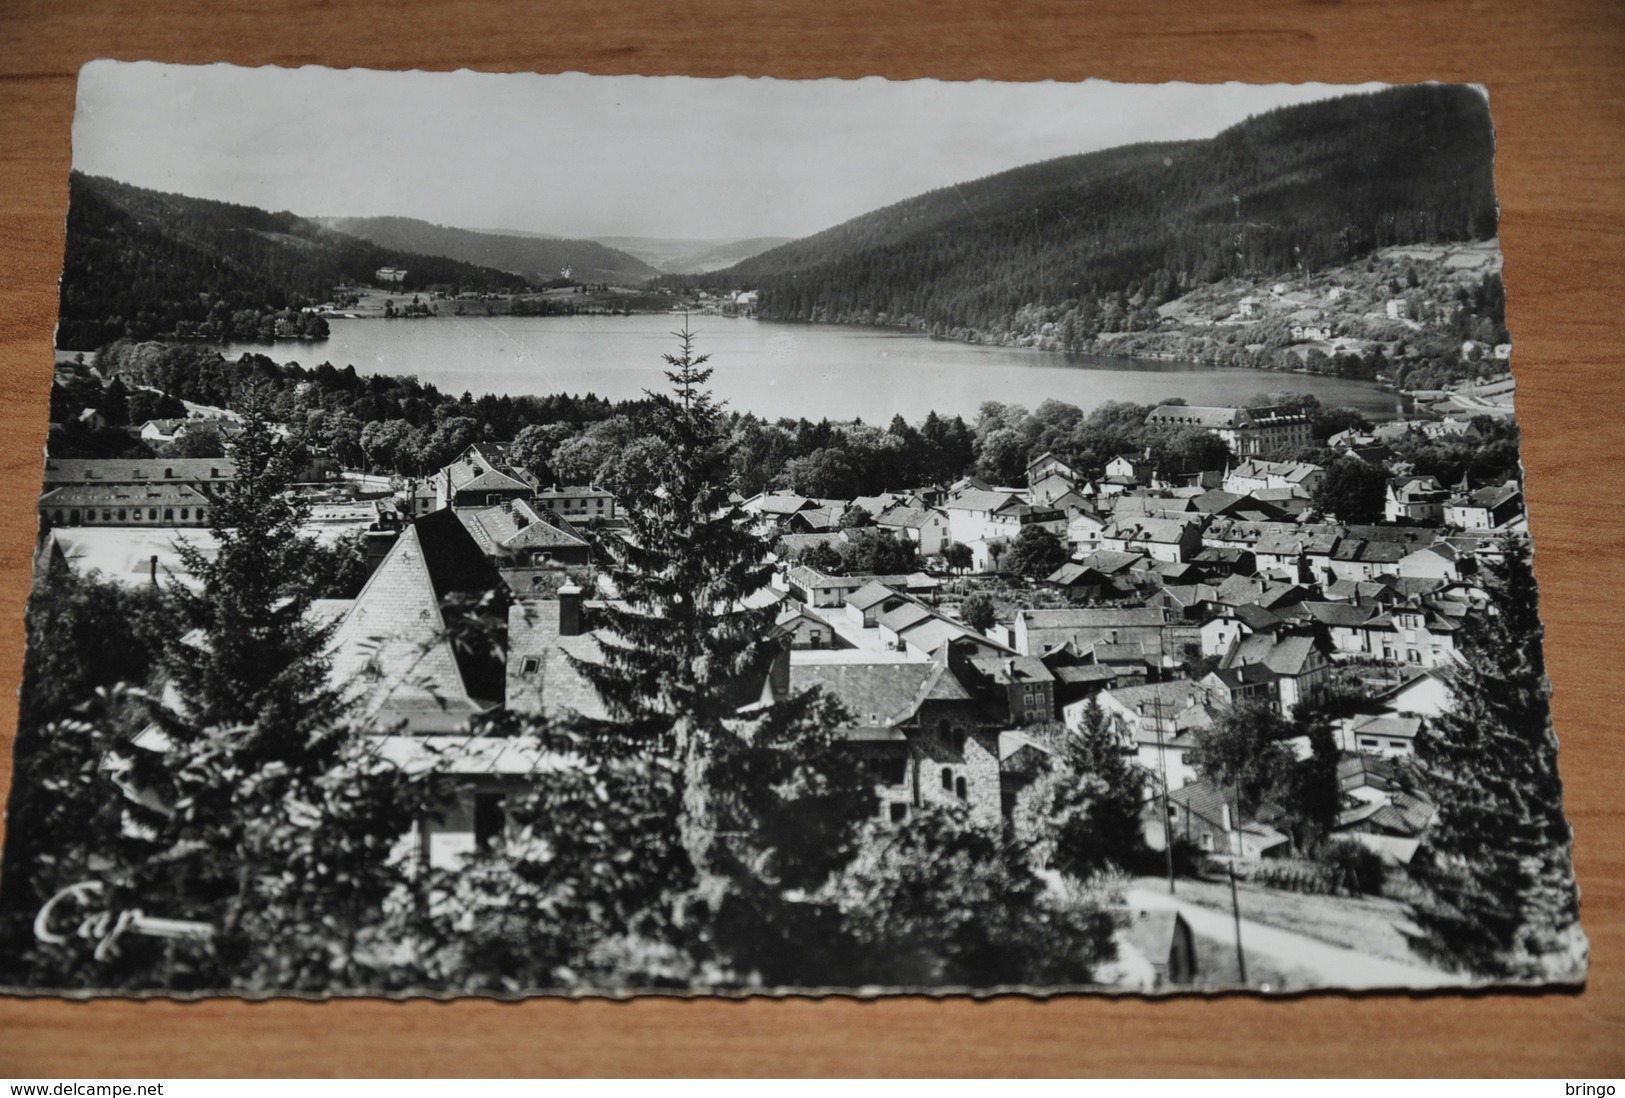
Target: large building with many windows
x=1249, y=432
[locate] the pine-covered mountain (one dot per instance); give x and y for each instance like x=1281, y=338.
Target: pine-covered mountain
x=145, y=264
x=539, y=258
x=1103, y=238
x=693, y=256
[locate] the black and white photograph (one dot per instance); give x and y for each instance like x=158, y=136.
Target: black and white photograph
x=515, y=534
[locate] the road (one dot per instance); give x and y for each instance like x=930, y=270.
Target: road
x=1332, y=965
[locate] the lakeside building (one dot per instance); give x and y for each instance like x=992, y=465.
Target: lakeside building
x=1249, y=432
x=204, y=475
x=124, y=505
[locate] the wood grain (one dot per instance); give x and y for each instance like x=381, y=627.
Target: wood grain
x=1556, y=75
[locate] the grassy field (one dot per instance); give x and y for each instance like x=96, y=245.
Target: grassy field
x=1216, y=967
x=1370, y=924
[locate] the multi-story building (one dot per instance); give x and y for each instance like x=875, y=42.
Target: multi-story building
x=1249, y=432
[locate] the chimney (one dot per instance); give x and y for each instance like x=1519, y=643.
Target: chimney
x=569, y=610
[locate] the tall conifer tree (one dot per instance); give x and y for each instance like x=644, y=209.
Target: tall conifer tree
x=684, y=634
x=1503, y=901
x=254, y=657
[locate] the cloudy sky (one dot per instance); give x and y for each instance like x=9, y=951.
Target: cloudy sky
x=594, y=156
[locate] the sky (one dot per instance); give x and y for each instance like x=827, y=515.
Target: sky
x=588, y=156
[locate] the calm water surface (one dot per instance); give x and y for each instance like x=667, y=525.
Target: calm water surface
x=782, y=369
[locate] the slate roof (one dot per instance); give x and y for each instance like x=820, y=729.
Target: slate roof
x=1195, y=416
x=1008, y=670
x=555, y=687
x=876, y=694
x=124, y=495
x=482, y=468
x=913, y=518
x=63, y=471
x=391, y=646
x=1110, y=561
x=1208, y=801
x=979, y=499
x=498, y=529
x=1289, y=655
x=1339, y=613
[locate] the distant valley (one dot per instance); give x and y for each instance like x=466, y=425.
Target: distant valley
x=692, y=256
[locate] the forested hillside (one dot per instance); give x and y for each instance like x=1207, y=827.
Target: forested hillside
x=536, y=257
x=143, y=263
x=1108, y=236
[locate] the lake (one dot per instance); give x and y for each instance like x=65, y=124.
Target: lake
x=778, y=370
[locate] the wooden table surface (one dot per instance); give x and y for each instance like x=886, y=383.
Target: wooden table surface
x=1556, y=75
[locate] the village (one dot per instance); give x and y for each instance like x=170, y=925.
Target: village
x=1159, y=599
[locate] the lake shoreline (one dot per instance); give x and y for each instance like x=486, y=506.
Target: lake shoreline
x=787, y=369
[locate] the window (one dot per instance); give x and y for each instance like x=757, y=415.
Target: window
x=947, y=779
x=169, y=514
x=123, y=515
x=169, y=474
x=200, y=514
x=1400, y=744
x=56, y=516
x=899, y=813
x=530, y=665
x=107, y=516
x=1207, y=840
x=1368, y=743
x=959, y=788
x=152, y=514
x=186, y=513
x=489, y=819
x=893, y=770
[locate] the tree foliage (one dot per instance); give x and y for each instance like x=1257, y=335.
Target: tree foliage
x=1501, y=897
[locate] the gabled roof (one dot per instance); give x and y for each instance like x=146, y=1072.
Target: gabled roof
x=1207, y=800
x=573, y=491
x=1288, y=655
x=904, y=616
x=978, y=499
x=482, y=468
x=931, y=633
x=515, y=526
x=60, y=471
x=913, y=518
x=1343, y=614
x=876, y=694
x=870, y=594
x=1159, y=531
x=392, y=644
x=1109, y=562
x=779, y=503
x=124, y=495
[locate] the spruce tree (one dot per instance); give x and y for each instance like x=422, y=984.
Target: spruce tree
x=252, y=656
x=683, y=635
x=1502, y=900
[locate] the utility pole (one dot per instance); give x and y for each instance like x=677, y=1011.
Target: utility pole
x=1162, y=762
x=1235, y=908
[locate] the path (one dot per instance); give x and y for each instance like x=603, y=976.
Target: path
x=1332, y=965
